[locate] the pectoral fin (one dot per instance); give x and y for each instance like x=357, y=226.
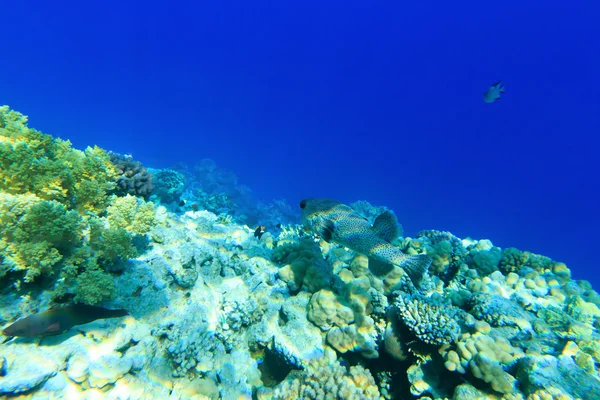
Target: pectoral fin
x=379, y=268
x=386, y=226
x=326, y=232
x=53, y=328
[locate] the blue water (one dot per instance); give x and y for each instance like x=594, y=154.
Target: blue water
x=376, y=100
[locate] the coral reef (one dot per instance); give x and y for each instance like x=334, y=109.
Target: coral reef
x=216, y=312
x=168, y=185
x=326, y=378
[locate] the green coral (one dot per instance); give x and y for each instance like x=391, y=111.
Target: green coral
x=35, y=234
x=93, y=286
x=131, y=214
x=53, y=199
x=111, y=244
x=34, y=162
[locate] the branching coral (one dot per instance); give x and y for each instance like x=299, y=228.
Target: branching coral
x=499, y=311
x=52, y=198
x=429, y=320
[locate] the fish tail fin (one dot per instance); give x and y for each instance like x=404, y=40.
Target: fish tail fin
x=415, y=266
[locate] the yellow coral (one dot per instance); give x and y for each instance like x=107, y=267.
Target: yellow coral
x=132, y=214
x=325, y=310
x=485, y=357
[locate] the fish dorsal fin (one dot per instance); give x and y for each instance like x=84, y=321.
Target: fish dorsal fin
x=386, y=226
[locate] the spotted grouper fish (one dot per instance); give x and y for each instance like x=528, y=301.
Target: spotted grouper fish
x=339, y=223
x=59, y=320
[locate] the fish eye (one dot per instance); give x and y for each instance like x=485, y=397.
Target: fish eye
x=303, y=204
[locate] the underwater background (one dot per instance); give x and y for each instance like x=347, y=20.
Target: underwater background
x=380, y=101
x=167, y=228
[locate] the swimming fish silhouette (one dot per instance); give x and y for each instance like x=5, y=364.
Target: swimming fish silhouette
x=493, y=92
x=59, y=320
x=336, y=222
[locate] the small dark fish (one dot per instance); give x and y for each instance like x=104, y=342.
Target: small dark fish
x=258, y=232
x=59, y=320
x=195, y=207
x=278, y=226
x=493, y=92
x=182, y=203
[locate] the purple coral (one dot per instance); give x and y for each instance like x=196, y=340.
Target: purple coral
x=135, y=179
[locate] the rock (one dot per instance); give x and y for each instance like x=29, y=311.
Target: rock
x=26, y=375
x=295, y=338
x=108, y=369
x=77, y=368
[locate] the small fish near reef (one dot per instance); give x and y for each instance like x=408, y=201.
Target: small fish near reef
x=493, y=92
x=58, y=320
x=336, y=222
x=259, y=231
